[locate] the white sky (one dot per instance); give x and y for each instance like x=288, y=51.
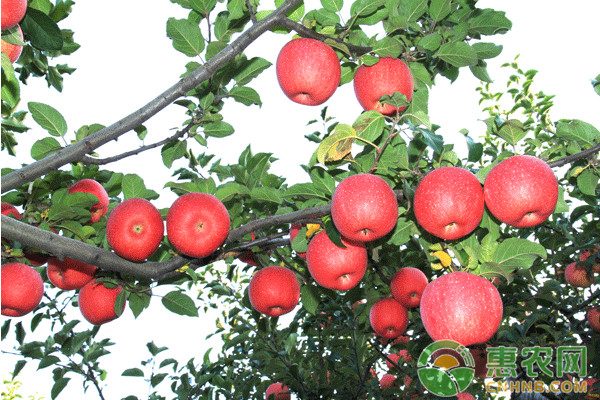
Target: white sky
x=126, y=60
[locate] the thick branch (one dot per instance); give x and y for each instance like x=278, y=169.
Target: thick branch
x=62, y=247
x=76, y=151
x=579, y=156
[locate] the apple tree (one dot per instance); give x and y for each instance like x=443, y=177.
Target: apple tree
x=325, y=348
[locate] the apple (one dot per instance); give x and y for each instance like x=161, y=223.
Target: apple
x=593, y=317
x=387, y=76
x=22, y=289
x=10, y=210
x=448, y=202
x=13, y=51
x=97, y=302
x=364, y=207
x=69, y=274
x=387, y=381
x=13, y=12
x=93, y=187
x=388, y=318
x=277, y=391
x=335, y=267
x=461, y=306
x=521, y=191
x=465, y=396
x=197, y=224
x=134, y=229
x=594, y=252
x=403, y=356
x=407, y=286
x=577, y=275
x=274, y=291
x=308, y=71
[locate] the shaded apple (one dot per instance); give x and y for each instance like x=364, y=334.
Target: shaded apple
x=97, y=302
x=91, y=186
x=69, y=274
x=578, y=276
x=277, y=391
x=13, y=51
x=593, y=318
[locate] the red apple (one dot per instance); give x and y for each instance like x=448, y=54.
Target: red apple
x=387, y=381
x=134, y=229
x=364, y=207
x=10, y=210
x=97, y=302
x=308, y=71
x=93, y=187
x=277, y=391
x=403, y=356
x=388, y=318
x=13, y=12
x=69, y=274
x=22, y=289
x=593, y=317
x=461, y=306
x=13, y=51
x=197, y=224
x=387, y=76
x=335, y=267
x=448, y=202
x=577, y=275
x=593, y=252
x=465, y=396
x=521, y=191
x=407, y=286
x=274, y=291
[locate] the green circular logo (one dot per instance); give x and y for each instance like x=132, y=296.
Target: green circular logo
x=446, y=368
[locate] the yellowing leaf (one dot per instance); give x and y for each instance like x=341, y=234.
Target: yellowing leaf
x=338, y=145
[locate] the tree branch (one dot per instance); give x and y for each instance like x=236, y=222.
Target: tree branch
x=76, y=151
x=574, y=157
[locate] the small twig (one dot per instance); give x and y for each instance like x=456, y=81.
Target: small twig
x=574, y=157
x=251, y=11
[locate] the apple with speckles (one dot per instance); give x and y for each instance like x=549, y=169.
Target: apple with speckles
x=521, y=191
x=388, y=318
x=22, y=289
x=277, y=391
x=274, y=291
x=449, y=203
x=593, y=318
x=407, y=286
x=461, y=306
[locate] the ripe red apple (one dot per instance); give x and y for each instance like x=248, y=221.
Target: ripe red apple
x=22, y=289
x=13, y=12
x=403, y=356
x=308, y=71
x=364, y=207
x=69, y=274
x=335, y=267
x=387, y=76
x=388, y=318
x=13, y=51
x=465, y=396
x=93, y=187
x=448, y=202
x=521, y=191
x=593, y=252
x=593, y=317
x=134, y=229
x=461, y=306
x=577, y=275
x=277, y=391
x=387, y=381
x=407, y=286
x=9, y=209
x=97, y=302
x=197, y=224
x=274, y=291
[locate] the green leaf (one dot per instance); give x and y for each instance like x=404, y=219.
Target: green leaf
x=307, y=190
x=480, y=71
x=518, y=253
x=336, y=146
x=458, y=54
x=48, y=361
x=245, y=95
x=512, y=131
x=251, y=69
x=365, y=7
x=204, y=7
x=412, y=9
x=309, y=297
x=369, y=125
x=59, y=385
x=173, y=151
x=154, y=349
x=219, y=129
x=44, y=147
x=11, y=91
x=431, y=42
x=475, y=149
x=230, y=189
x=186, y=36
x=267, y=194
x=579, y=131
x=180, y=303
x=487, y=50
x=489, y=22
x=43, y=33
x=439, y=9
x=333, y=5
x=133, y=372
x=133, y=186
x=587, y=182
x=48, y=118
x=388, y=47
x=436, y=142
